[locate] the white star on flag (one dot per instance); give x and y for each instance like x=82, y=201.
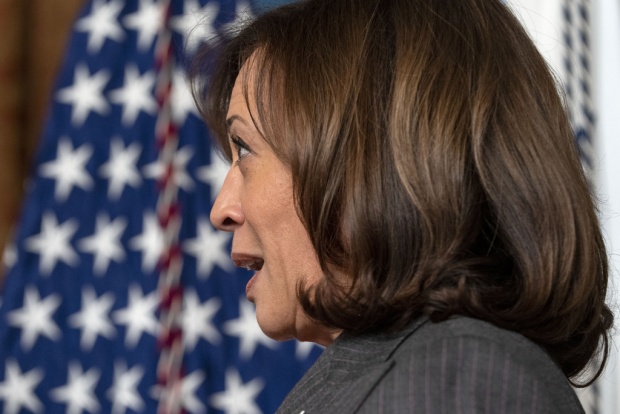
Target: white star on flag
x=34, y=318
x=68, y=169
x=124, y=391
x=17, y=390
x=101, y=23
x=198, y=319
x=147, y=21
x=93, y=318
x=189, y=385
x=247, y=330
x=196, y=23
x=209, y=248
x=303, y=349
x=105, y=244
x=9, y=257
x=214, y=174
x=53, y=243
x=238, y=398
x=135, y=95
x=86, y=94
x=79, y=392
x=156, y=169
x=121, y=169
x=138, y=316
x=150, y=242
x=184, y=104
x=243, y=15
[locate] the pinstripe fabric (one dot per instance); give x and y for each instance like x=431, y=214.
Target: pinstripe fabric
x=458, y=366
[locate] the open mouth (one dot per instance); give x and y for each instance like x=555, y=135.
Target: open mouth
x=254, y=264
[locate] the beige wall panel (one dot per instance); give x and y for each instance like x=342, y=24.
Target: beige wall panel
x=33, y=37
x=12, y=44
x=48, y=29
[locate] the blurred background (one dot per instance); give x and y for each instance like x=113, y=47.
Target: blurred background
x=47, y=47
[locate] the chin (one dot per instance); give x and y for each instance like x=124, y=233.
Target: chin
x=310, y=332
x=275, y=330
x=276, y=334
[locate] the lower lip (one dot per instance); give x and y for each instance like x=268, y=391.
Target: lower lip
x=248, y=287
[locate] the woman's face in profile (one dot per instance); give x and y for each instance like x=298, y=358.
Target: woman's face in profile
x=256, y=204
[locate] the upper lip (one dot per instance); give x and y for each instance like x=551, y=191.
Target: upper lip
x=247, y=261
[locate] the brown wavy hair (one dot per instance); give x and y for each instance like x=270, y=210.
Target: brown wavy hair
x=433, y=166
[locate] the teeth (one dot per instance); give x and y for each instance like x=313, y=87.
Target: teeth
x=254, y=265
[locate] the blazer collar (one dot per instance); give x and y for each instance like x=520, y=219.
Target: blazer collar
x=367, y=350
x=346, y=373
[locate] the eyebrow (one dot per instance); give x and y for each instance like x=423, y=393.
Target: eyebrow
x=230, y=120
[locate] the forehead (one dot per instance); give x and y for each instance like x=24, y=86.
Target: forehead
x=242, y=102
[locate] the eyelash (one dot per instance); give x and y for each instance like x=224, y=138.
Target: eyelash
x=239, y=145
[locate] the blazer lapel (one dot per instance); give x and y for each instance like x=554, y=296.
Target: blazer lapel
x=352, y=394
x=358, y=364
x=346, y=373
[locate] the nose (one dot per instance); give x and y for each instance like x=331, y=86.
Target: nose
x=226, y=213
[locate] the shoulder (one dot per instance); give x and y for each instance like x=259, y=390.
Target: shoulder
x=461, y=365
x=464, y=332
x=469, y=366
x=464, y=341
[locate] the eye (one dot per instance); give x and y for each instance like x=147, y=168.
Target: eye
x=240, y=146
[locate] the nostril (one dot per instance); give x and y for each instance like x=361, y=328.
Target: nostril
x=228, y=222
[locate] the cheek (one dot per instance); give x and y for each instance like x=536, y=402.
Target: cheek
x=306, y=261
x=266, y=204
x=288, y=252
x=300, y=265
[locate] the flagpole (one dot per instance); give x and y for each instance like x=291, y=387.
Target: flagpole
x=169, y=369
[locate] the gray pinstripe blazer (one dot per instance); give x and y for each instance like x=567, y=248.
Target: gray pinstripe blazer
x=460, y=366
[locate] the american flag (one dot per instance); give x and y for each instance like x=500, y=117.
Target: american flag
x=81, y=320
